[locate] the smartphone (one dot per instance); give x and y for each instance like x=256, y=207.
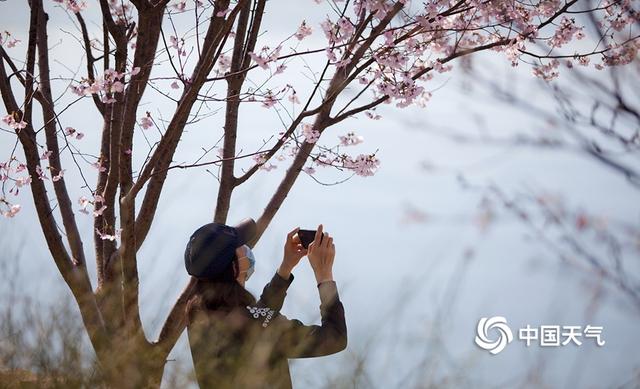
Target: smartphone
x=306, y=237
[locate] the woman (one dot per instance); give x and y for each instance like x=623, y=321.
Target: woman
x=238, y=342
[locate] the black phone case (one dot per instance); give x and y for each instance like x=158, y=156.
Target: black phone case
x=306, y=237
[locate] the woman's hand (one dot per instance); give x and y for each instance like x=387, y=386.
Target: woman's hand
x=321, y=253
x=293, y=252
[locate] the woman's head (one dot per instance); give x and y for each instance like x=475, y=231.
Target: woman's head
x=239, y=269
x=213, y=247
x=226, y=290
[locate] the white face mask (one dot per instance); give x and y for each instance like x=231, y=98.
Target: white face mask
x=252, y=263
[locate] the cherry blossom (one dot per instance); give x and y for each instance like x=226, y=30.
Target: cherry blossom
x=363, y=165
x=293, y=97
x=259, y=60
x=58, y=176
x=280, y=68
x=98, y=165
x=351, y=139
x=224, y=63
x=84, y=202
x=303, y=31
x=70, y=131
x=547, y=72
x=146, y=122
x=311, y=135
x=73, y=5
x=180, y=5
x=105, y=236
x=261, y=159
x=21, y=181
x=372, y=116
x=7, y=40
x=13, y=210
x=116, y=87
x=178, y=44
x=13, y=123
x=269, y=100
x=41, y=174
x=566, y=32
x=121, y=11
x=108, y=85
x=223, y=13
x=99, y=211
x=45, y=155
x=266, y=56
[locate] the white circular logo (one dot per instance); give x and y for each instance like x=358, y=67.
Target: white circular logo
x=499, y=323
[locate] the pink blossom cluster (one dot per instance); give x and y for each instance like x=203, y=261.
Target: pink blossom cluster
x=70, y=131
x=350, y=139
x=622, y=54
x=311, y=135
x=146, y=121
x=566, y=32
x=405, y=91
x=97, y=202
x=261, y=160
x=10, y=174
x=363, y=165
x=265, y=56
x=110, y=83
x=224, y=63
x=7, y=40
x=547, y=8
x=269, y=100
x=619, y=14
x=178, y=44
x=105, y=236
x=547, y=72
x=12, y=209
x=222, y=13
x=121, y=10
x=422, y=40
x=179, y=5
x=293, y=97
x=98, y=165
x=74, y=6
x=339, y=31
x=11, y=121
x=303, y=31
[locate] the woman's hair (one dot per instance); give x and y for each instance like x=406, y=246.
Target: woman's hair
x=222, y=293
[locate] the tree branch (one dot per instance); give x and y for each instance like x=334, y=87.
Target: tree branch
x=90, y=62
x=240, y=59
x=156, y=169
x=75, y=280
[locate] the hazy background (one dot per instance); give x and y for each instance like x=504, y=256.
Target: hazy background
x=413, y=288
